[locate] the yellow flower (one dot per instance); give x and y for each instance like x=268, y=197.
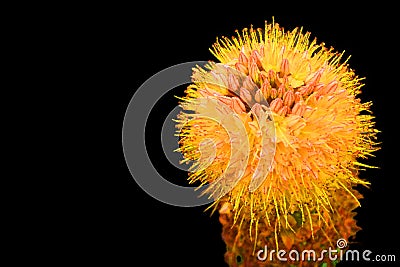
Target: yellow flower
x=276, y=129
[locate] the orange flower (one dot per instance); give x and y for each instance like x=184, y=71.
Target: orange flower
x=276, y=129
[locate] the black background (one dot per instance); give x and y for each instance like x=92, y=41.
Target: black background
x=132, y=43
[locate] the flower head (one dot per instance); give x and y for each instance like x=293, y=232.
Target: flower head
x=276, y=128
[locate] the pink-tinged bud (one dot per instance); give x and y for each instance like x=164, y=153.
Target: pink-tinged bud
x=276, y=104
x=331, y=87
x=302, y=90
x=298, y=109
x=217, y=78
x=233, y=83
x=315, y=78
x=253, y=72
x=262, y=52
x=288, y=98
x=295, y=108
x=257, y=110
x=284, y=69
x=264, y=76
x=243, y=59
x=306, y=90
x=226, y=100
x=310, y=90
x=285, y=82
x=274, y=93
x=245, y=95
x=242, y=68
x=266, y=89
x=238, y=105
x=272, y=77
x=283, y=111
x=318, y=87
x=257, y=57
x=281, y=90
x=259, y=97
x=297, y=97
x=249, y=84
